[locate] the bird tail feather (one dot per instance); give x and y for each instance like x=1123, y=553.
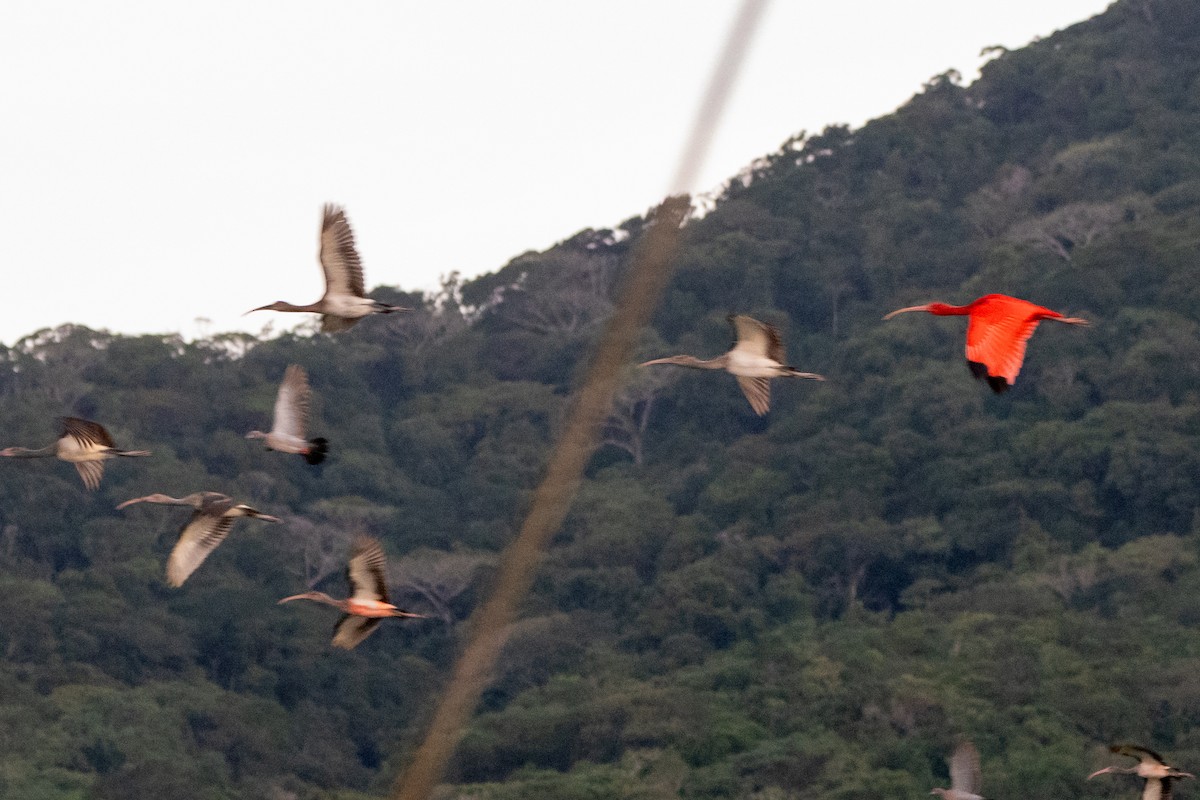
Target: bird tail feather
x=316, y=451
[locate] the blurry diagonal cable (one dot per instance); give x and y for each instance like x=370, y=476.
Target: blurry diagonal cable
x=647, y=276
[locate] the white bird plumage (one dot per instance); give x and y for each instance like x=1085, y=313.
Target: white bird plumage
x=756, y=357
x=345, y=300
x=289, y=426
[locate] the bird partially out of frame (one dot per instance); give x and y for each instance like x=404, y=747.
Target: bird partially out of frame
x=1151, y=767
x=966, y=778
x=81, y=442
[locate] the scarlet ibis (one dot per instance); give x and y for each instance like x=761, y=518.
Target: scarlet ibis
x=1151, y=766
x=368, y=601
x=207, y=528
x=287, y=433
x=966, y=779
x=997, y=331
x=81, y=442
x=756, y=357
x=345, y=301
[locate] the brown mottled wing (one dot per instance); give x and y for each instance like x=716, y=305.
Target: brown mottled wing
x=758, y=392
x=199, y=537
x=1138, y=752
x=758, y=338
x=339, y=258
x=965, y=774
x=91, y=472
x=332, y=324
x=86, y=432
x=366, y=569
x=291, y=404
x=352, y=629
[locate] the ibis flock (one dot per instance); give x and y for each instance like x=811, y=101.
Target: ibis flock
x=998, y=329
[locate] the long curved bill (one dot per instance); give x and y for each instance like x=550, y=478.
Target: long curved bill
x=1104, y=771
x=903, y=310
x=130, y=502
x=260, y=308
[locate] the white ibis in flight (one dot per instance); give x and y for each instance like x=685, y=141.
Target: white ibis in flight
x=998, y=328
x=207, y=528
x=368, y=601
x=966, y=778
x=288, y=428
x=1151, y=767
x=81, y=442
x=756, y=357
x=345, y=301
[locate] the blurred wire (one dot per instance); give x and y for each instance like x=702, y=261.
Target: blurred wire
x=649, y=271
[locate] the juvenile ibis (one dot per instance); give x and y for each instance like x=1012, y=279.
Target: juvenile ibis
x=998, y=328
x=368, y=601
x=288, y=428
x=81, y=442
x=756, y=357
x=345, y=301
x=966, y=779
x=207, y=528
x=1151, y=767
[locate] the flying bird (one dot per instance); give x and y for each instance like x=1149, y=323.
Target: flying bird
x=368, y=602
x=997, y=331
x=756, y=357
x=966, y=779
x=1151, y=766
x=345, y=301
x=208, y=526
x=288, y=429
x=81, y=442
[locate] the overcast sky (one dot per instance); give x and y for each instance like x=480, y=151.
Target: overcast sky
x=165, y=162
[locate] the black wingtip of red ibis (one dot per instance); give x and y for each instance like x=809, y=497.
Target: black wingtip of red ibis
x=980, y=372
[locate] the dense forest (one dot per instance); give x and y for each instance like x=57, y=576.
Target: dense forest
x=813, y=604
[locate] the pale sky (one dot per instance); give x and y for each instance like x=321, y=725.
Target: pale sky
x=162, y=162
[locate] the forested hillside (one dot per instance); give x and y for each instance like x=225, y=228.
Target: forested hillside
x=814, y=604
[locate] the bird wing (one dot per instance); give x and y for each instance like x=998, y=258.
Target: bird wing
x=332, y=324
x=997, y=333
x=339, y=258
x=365, y=571
x=199, y=537
x=1143, y=754
x=965, y=774
x=91, y=472
x=758, y=392
x=352, y=629
x=291, y=404
x=87, y=433
x=757, y=338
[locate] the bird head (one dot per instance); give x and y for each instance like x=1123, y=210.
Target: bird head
x=8, y=451
x=256, y=435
